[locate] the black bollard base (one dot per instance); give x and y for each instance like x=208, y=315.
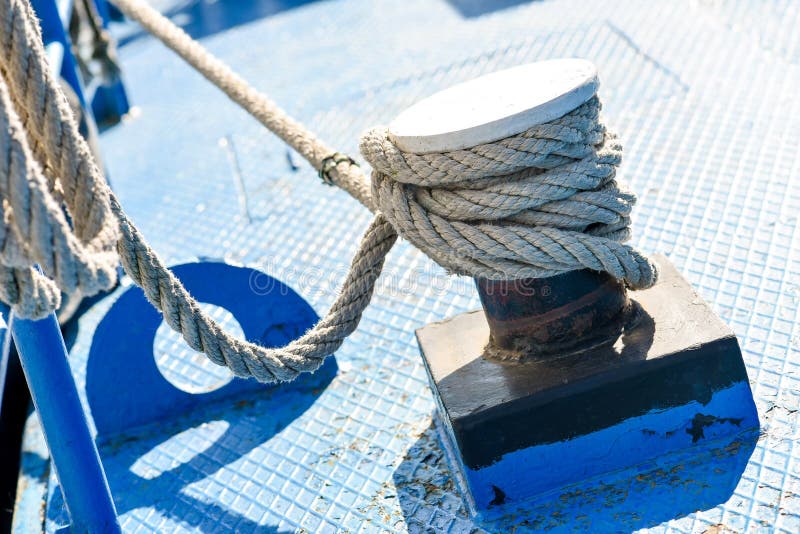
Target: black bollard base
x=673, y=377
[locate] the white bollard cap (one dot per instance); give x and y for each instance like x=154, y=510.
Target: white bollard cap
x=494, y=106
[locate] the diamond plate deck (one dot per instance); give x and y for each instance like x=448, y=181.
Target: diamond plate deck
x=704, y=96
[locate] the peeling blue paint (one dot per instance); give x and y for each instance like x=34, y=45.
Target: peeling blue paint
x=525, y=473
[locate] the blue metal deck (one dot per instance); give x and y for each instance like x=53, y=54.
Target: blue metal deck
x=704, y=96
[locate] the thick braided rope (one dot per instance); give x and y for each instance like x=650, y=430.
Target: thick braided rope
x=79, y=259
x=532, y=205
x=182, y=313
x=69, y=156
x=64, y=156
x=35, y=231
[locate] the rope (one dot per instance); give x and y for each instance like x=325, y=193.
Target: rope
x=532, y=205
x=78, y=259
x=46, y=122
x=465, y=201
x=344, y=173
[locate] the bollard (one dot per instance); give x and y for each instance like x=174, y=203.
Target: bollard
x=561, y=379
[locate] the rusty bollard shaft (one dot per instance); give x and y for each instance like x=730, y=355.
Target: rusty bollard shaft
x=540, y=317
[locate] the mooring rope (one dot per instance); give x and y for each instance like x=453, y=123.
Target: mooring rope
x=37, y=232
x=46, y=123
x=535, y=204
x=78, y=258
x=344, y=173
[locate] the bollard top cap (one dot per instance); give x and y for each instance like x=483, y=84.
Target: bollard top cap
x=495, y=106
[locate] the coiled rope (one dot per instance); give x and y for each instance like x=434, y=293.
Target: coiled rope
x=532, y=205
x=40, y=139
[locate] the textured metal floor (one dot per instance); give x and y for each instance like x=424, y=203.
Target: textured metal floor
x=704, y=95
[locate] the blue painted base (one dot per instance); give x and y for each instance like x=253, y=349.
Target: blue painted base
x=673, y=377
x=525, y=473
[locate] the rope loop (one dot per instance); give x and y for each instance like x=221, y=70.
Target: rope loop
x=49, y=163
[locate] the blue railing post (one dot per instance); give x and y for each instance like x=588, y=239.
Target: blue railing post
x=74, y=454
